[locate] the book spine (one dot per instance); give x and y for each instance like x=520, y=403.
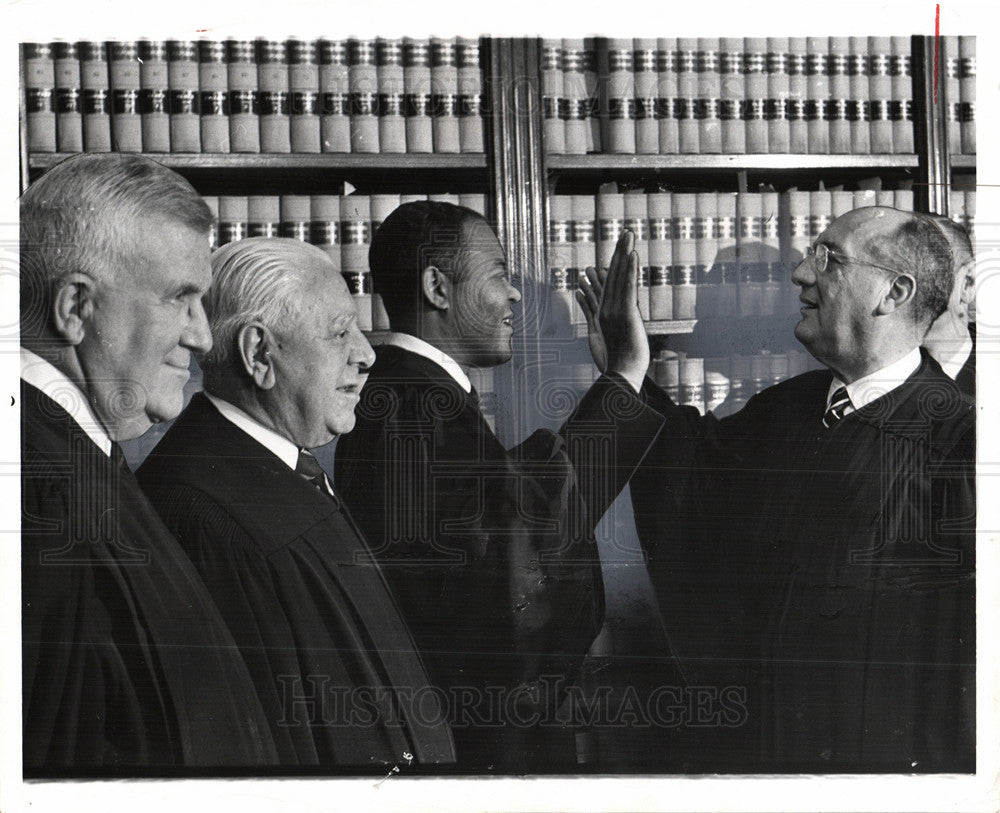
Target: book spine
x=841, y=202
x=444, y=95
x=903, y=199
x=885, y=197
x=233, y=218
x=755, y=85
x=383, y=205
x=444, y=197
x=39, y=96
x=324, y=226
x=666, y=373
x=798, y=95
x=666, y=96
x=154, y=104
x=716, y=383
x=778, y=93
x=563, y=282
x=69, y=118
x=838, y=63
x=576, y=105
x=96, y=93
x=636, y=214
x=213, y=81
x=475, y=201
x=820, y=214
x=692, y=382
x=212, y=202
x=244, y=109
x=584, y=244
x=880, y=93
x=817, y=110
x=647, y=129
x=363, y=80
x=417, y=86
x=901, y=107
x=355, y=235
x=621, y=97
x=863, y=197
x=953, y=93
x=553, y=101
x=470, y=96
x=303, y=88
x=295, y=218
x=733, y=131
x=610, y=223
x=771, y=265
x=684, y=255
x=687, y=95
x=184, y=101
x=263, y=216
x=593, y=95
x=709, y=95
x=272, y=96
x=334, y=88
x=749, y=252
x=795, y=244
x=661, y=297
x=726, y=229
x=391, y=121
x=859, y=109
x=126, y=86
x=967, y=92
x=708, y=272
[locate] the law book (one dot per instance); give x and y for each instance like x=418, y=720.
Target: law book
x=880, y=93
x=355, y=236
x=798, y=362
x=620, y=104
x=967, y=92
x=863, y=197
x=903, y=199
x=126, y=85
x=708, y=273
x=797, y=242
x=716, y=382
x=885, y=197
x=563, y=282
x=610, y=224
x=666, y=95
x=233, y=218
x=295, y=213
x=391, y=95
x=818, y=94
x=798, y=95
x=838, y=63
x=709, y=96
x=382, y=206
x=576, y=104
x=647, y=129
x=69, y=111
x=593, y=94
x=154, y=104
x=444, y=197
x=303, y=90
x=363, y=82
x=334, y=88
x=726, y=229
x=740, y=386
x=213, y=81
x=411, y=198
x=951, y=57
x=691, y=375
x=760, y=372
x=212, y=201
x=553, y=103
x=470, y=96
x=444, y=95
x=184, y=99
x=755, y=83
x=244, y=110
x=778, y=92
x=473, y=200
x=687, y=94
x=969, y=203
x=901, y=105
x=772, y=269
x=96, y=96
x=263, y=216
x=417, y=86
x=661, y=294
x=272, y=96
x=584, y=243
x=820, y=213
x=732, y=132
x=636, y=214
x=39, y=96
x=842, y=202
x=859, y=106
x=684, y=255
x=777, y=368
x=749, y=250
x=324, y=226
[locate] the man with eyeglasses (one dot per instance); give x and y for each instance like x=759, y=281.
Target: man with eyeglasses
x=814, y=552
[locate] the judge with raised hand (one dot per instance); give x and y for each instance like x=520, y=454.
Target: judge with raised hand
x=490, y=551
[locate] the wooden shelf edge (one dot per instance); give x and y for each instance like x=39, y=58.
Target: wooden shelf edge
x=729, y=162
x=667, y=327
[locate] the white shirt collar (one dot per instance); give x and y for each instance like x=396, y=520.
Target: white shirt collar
x=953, y=365
x=282, y=447
x=874, y=385
x=45, y=377
x=407, y=342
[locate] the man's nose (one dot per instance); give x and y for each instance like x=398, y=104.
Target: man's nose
x=804, y=274
x=197, y=335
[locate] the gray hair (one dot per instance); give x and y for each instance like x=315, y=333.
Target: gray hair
x=258, y=279
x=80, y=217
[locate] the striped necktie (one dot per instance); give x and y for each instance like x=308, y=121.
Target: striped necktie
x=840, y=402
x=308, y=467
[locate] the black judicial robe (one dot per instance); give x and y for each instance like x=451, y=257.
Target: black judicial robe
x=127, y=664
x=331, y=658
x=827, y=572
x=490, y=551
x=966, y=378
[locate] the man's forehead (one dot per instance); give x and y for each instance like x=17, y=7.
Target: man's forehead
x=860, y=226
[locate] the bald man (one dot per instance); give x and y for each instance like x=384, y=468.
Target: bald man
x=814, y=553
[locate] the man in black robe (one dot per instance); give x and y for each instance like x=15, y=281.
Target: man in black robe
x=490, y=551
x=815, y=551
x=127, y=665
x=330, y=656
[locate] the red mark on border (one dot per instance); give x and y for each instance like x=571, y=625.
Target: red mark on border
x=937, y=46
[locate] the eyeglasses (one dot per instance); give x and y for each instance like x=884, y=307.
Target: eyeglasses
x=822, y=253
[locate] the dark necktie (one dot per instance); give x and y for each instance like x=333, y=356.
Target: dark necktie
x=473, y=397
x=118, y=457
x=308, y=467
x=840, y=402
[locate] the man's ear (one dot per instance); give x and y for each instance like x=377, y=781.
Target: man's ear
x=902, y=290
x=254, y=343
x=436, y=287
x=968, y=281
x=73, y=306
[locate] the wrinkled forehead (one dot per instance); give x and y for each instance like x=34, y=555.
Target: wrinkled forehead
x=854, y=232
